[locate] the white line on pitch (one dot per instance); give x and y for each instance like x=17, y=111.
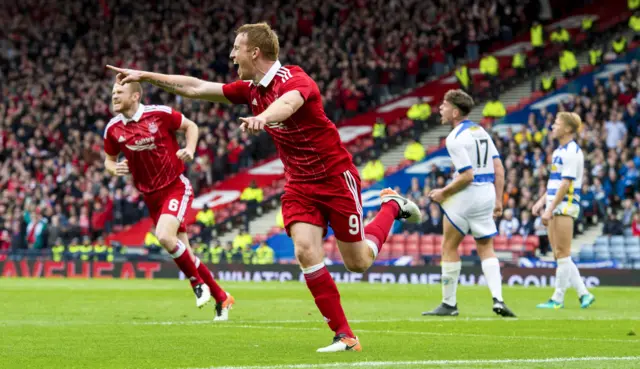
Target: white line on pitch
x=441, y=334
x=434, y=363
x=308, y=321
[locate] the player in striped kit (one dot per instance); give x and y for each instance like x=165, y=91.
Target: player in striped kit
x=561, y=206
x=145, y=135
x=470, y=202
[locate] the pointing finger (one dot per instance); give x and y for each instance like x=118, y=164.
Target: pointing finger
x=115, y=69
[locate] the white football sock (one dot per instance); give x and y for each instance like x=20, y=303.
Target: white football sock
x=576, y=280
x=450, y=275
x=563, y=279
x=491, y=270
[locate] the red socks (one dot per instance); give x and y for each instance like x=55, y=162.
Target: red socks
x=183, y=259
x=378, y=230
x=327, y=297
x=204, y=272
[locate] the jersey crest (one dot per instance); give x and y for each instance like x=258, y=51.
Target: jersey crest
x=153, y=128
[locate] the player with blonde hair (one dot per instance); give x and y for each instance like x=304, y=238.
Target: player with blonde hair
x=561, y=206
x=323, y=184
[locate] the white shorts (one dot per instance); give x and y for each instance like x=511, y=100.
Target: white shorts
x=565, y=208
x=471, y=211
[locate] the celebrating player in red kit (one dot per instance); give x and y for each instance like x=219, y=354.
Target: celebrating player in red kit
x=323, y=185
x=146, y=136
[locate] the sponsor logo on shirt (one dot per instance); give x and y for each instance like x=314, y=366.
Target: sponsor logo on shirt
x=143, y=144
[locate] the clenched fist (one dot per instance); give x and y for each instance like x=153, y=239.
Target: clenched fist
x=185, y=155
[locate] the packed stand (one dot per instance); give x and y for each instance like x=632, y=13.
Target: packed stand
x=56, y=94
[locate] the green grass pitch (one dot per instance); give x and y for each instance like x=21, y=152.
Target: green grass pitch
x=155, y=324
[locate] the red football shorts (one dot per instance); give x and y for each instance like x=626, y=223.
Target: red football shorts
x=334, y=200
x=175, y=199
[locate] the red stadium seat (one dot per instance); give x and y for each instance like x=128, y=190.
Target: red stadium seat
x=500, y=243
x=468, y=240
x=390, y=170
x=427, y=249
x=562, y=81
x=516, y=240
x=512, y=108
x=486, y=121
x=437, y=240
x=467, y=249
x=532, y=243
x=526, y=100
x=412, y=249
x=397, y=248
x=328, y=248
x=274, y=230
x=398, y=238
x=537, y=94
x=413, y=238
x=517, y=247
x=336, y=256
x=384, y=253
x=259, y=238
x=427, y=239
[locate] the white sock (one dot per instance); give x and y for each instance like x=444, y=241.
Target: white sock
x=450, y=275
x=181, y=248
x=312, y=269
x=374, y=248
x=576, y=280
x=563, y=279
x=491, y=270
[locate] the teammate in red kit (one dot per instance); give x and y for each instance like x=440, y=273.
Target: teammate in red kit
x=323, y=185
x=145, y=135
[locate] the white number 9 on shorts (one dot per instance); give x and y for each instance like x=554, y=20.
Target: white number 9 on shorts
x=354, y=224
x=173, y=205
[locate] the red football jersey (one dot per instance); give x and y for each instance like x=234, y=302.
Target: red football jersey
x=308, y=142
x=148, y=141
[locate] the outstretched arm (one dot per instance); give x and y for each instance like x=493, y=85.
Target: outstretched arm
x=186, y=86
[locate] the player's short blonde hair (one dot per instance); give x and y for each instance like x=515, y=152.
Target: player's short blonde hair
x=261, y=35
x=571, y=119
x=461, y=100
x=136, y=87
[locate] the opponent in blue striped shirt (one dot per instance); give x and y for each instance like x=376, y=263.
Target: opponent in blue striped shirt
x=561, y=206
x=469, y=202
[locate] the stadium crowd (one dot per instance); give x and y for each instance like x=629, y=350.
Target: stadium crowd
x=55, y=93
x=610, y=139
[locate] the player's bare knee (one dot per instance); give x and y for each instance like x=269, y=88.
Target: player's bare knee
x=167, y=240
x=485, y=249
x=357, y=265
x=306, y=253
x=563, y=252
x=449, y=247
